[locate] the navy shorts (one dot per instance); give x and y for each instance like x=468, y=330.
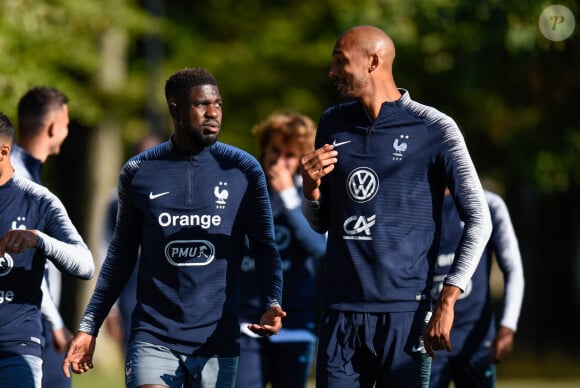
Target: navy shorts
x=372, y=350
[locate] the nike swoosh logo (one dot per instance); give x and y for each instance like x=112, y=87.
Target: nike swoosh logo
x=155, y=196
x=335, y=144
x=415, y=349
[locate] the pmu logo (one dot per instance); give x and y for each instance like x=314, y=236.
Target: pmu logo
x=188, y=253
x=359, y=227
x=6, y=264
x=362, y=184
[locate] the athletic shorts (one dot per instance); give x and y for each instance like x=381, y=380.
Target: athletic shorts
x=372, y=350
x=152, y=364
x=24, y=371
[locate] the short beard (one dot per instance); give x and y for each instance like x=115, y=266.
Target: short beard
x=207, y=140
x=354, y=88
x=201, y=140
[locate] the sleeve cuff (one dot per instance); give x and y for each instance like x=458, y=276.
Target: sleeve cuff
x=290, y=197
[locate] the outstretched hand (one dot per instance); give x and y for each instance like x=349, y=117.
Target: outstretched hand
x=79, y=357
x=270, y=322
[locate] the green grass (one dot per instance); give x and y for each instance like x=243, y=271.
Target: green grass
x=100, y=378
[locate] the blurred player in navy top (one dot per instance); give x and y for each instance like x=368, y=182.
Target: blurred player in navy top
x=375, y=183
x=34, y=227
x=185, y=207
x=477, y=345
x=42, y=128
x=283, y=360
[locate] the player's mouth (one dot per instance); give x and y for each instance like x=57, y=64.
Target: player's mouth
x=211, y=126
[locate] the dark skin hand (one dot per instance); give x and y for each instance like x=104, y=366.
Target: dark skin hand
x=79, y=356
x=16, y=241
x=438, y=330
x=270, y=322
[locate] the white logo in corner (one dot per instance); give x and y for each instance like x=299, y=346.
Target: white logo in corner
x=222, y=194
x=399, y=148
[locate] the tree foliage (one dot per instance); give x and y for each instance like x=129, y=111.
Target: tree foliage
x=59, y=43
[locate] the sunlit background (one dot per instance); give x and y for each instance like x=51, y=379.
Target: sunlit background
x=509, y=81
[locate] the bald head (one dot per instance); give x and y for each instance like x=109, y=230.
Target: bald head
x=370, y=40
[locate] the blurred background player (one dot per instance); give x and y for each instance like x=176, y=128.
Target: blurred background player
x=285, y=359
x=42, y=128
x=477, y=346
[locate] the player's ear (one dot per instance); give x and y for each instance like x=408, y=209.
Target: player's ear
x=173, y=109
x=50, y=129
x=374, y=62
x=4, y=151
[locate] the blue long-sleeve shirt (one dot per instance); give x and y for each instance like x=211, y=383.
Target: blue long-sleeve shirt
x=381, y=205
x=475, y=303
x=189, y=214
x=301, y=250
x=27, y=205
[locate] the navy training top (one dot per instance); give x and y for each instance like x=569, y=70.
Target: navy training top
x=189, y=213
x=381, y=205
